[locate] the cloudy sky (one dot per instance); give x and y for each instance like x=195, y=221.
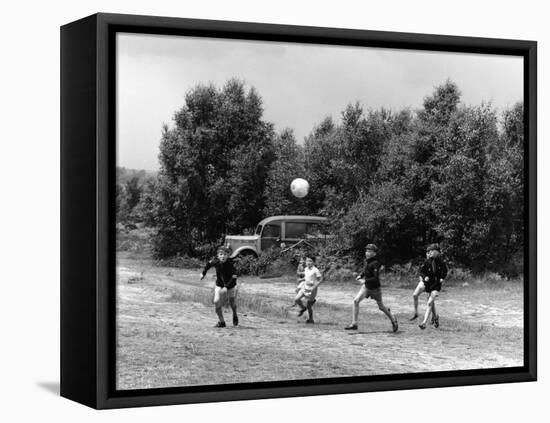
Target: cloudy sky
x=300, y=83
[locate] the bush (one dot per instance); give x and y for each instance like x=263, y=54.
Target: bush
x=207, y=251
x=180, y=262
x=459, y=274
x=269, y=261
x=137, y=240
x=404, y=271
x=246, y=265
x=514, y=268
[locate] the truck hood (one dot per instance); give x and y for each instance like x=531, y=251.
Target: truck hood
x=241, y=237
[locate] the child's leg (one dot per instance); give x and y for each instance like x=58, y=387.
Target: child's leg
x=356, y=301
x=434, y=312
x=232, y=295
x=385, y=310
x=233, y=305
x=218, y=303
x=417, y=291
x=298, y=300
x=310, y=310
x=219, y=312
x=431, y=300
x=234, y=309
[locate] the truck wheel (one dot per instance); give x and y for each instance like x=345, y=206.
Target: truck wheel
x=247, y=253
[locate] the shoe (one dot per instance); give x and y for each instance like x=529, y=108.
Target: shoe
x=422, y=326
x=414, y=317
x=302, y=311
x=351, y=327
x=220, y=325
x=235, y=320
x=436, y=321
x=310, y=321
x=394, y=324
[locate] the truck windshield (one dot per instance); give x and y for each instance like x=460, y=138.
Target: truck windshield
x=258, y=229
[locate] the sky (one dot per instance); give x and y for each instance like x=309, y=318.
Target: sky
x=300, y=84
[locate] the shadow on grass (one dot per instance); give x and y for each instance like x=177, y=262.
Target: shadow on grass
x=373, y=332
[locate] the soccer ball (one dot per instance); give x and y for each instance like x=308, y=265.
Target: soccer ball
x=299, y=187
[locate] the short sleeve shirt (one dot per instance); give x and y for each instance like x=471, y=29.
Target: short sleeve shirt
x=311, y=277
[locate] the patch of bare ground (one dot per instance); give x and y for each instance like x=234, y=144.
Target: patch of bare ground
x=166, y=338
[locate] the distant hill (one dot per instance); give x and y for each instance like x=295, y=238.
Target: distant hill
x=123, y=174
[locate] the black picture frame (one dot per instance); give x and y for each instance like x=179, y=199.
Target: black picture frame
x=87, y=211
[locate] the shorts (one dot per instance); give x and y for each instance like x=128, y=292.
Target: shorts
x=433, y=287
x=375, y=294
x=308, y=294
x=220, y=294
x=428, y=287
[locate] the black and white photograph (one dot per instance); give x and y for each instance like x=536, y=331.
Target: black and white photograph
x=293, y=211
x=275, y=212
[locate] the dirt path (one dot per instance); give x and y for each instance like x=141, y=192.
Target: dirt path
x=166, y=335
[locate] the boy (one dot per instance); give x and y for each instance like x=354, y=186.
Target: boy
x=308, y=290
x=370, y=280
x=300, y=274
x=226, y=282
x=432, y=274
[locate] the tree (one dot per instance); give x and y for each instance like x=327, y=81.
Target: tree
x=504, y=192
x=341, y=161
x=458, y=193
x=219, y=144
x=133, y=193
x=144, y=210
x=288, y=165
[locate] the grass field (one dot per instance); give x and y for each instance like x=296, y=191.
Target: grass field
x=166, y=338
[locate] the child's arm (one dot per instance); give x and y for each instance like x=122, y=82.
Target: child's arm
x=423, y=273
x=319, y=280
x=208, y=265
x=319, y=277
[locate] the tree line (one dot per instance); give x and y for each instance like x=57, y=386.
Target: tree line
x=448, y=172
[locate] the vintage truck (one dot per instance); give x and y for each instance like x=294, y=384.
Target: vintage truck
x=280, y=231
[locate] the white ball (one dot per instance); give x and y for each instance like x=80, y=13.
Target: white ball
x=299, y=187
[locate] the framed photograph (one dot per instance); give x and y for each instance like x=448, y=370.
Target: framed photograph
x=258, y=211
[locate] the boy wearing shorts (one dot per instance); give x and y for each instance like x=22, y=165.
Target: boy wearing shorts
x=370, y=288
x=308, y=289
x=432, y=274
x=300, y=275
x=226, y=282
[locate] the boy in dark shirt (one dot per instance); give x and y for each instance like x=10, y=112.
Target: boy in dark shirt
x=226, y=282
x=370, y=280
x=432, y=273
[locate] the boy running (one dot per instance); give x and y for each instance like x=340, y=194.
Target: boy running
x=432, y=273
x=370, y=280
x=300, y=275
x=308, y=289
x=226, y=282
